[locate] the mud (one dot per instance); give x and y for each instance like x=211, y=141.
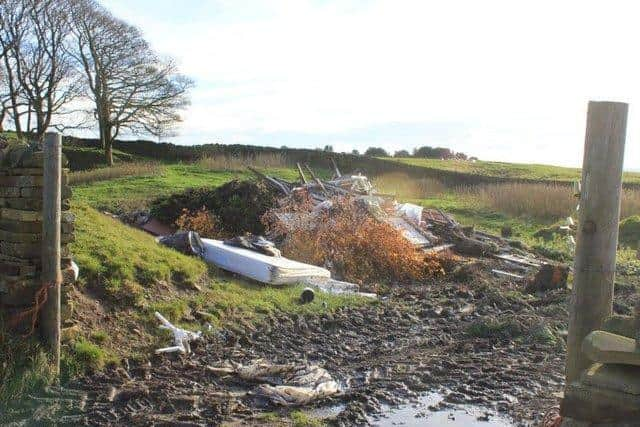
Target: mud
x=474, y=340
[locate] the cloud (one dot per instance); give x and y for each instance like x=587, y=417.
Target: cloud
x=513, y=78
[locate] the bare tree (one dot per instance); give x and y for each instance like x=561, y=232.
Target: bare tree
x=12, y=30
x=4, y=102
x=4, y=98
x=41, y=78
x=133, y=89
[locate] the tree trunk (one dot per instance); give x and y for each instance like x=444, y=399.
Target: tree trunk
x=41, y=126
x=108, y=151
x=103, y=132
x=13, y=98
x=3, y=114
x=108, y=145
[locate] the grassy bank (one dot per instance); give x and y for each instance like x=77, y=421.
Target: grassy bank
x=126, y=276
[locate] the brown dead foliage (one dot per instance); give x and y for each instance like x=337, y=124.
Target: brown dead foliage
x=202, y=221
x=349, y=241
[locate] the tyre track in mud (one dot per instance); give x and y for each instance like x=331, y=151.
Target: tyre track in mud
x=414, y=341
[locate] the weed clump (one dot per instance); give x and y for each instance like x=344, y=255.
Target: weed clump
x=511, y=329
x=496, y=329
x=203, y=222
x=89, y=355
x=629, y=234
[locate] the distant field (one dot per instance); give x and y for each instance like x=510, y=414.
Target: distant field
x=506, y=170
x=85, y=154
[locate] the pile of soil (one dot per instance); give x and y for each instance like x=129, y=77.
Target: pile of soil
x=239, y=205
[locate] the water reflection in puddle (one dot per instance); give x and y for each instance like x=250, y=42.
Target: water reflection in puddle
x=419, y=414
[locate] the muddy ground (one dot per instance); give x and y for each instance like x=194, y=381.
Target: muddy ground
x=472, y=337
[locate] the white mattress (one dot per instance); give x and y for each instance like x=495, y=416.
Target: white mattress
x=257, y=266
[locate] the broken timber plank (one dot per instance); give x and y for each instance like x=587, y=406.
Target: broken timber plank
x=274, y=182
x=335, y=168
x=519, y=260
x=302, y=177
x=507, y=274
x=605, y=347
x=315, y=178
x=439, y=248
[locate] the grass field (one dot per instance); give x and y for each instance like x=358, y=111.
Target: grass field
x=130, y=192
x=506, y=170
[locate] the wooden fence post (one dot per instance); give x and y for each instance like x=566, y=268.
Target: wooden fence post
x=51, y=217
x=597, y=235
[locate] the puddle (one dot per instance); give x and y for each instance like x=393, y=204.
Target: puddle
x=419, y=414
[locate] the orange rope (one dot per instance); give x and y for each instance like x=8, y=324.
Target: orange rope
x=40, y=299
x=552, y=418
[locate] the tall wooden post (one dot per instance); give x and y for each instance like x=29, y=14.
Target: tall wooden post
x=597, y=236
x=51, y=217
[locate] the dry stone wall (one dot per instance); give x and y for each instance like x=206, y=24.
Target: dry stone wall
x=21, y=183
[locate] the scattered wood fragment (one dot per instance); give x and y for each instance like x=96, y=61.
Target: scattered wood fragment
x=519, y=260
x=274, y=182
x=303, y=178
x=506, y=274
x=316, y=179
x=440, y=248
x=335, y=168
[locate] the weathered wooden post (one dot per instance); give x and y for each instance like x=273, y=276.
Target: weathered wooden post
x=51, y=217
x=597, y=236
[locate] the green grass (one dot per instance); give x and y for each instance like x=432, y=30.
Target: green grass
x=99, y=337
x=135, y=192
x=24, y=368
x=506, y=170
x=89, y=355
x=300, y=418
x=491, y=328
x=9, y=136
x=124, y=261
x=630, y=231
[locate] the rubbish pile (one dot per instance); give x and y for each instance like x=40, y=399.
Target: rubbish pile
x=343, y=233
x=428, y=230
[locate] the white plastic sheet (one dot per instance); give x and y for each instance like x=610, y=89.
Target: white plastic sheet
x=410, y=211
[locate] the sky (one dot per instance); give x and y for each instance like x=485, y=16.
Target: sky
x=501, y=80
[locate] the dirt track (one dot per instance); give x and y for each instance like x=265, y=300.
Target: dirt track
x=413, y=341
x=436, y=337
